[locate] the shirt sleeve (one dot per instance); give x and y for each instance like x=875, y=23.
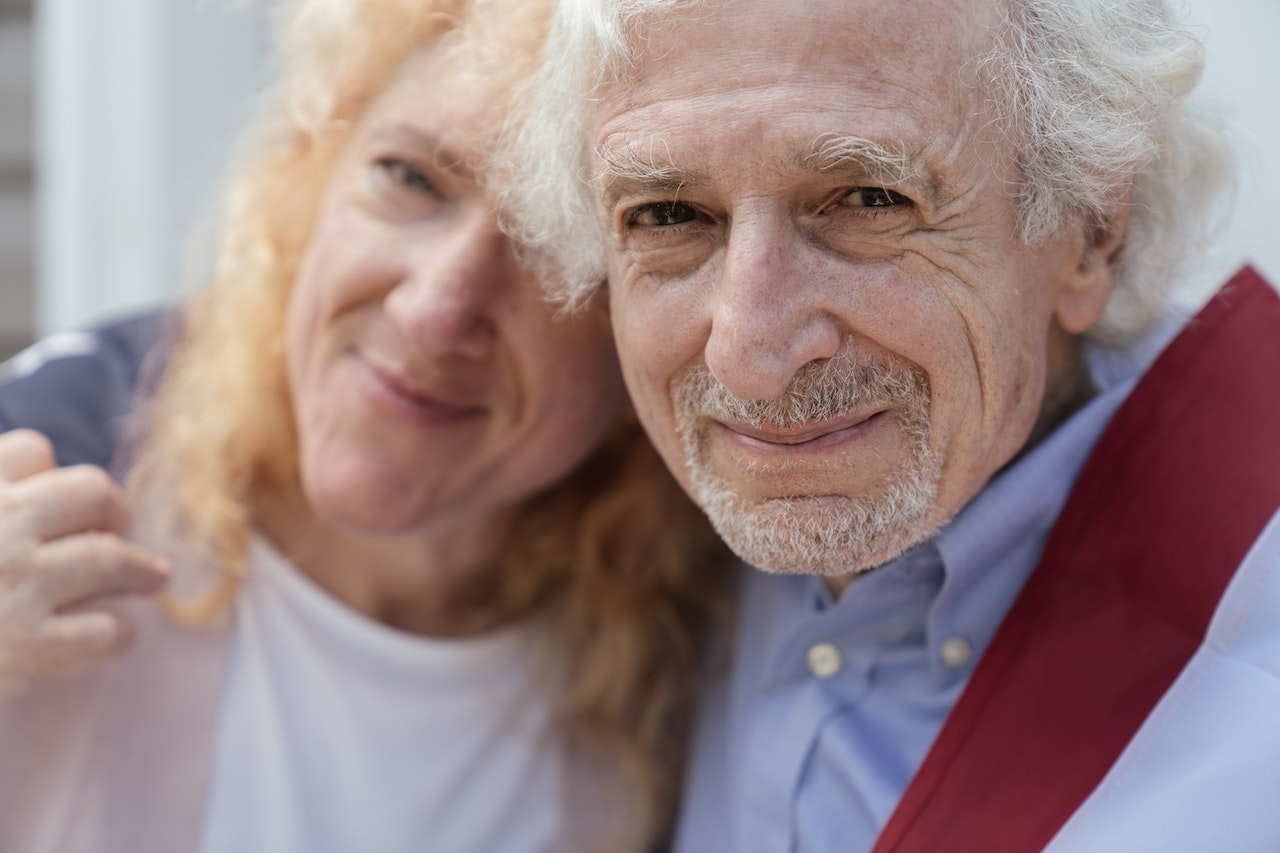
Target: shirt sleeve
x=79, y=387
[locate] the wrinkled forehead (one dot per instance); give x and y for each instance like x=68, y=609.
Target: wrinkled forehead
x=899, y=80
x=451, y=86
x=457, y=78
x=937, y=41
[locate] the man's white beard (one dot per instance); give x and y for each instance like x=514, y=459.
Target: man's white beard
x=827, y=534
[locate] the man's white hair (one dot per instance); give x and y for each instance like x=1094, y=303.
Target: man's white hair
x=1092, y=92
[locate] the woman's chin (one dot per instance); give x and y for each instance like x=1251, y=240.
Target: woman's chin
x=370, y=508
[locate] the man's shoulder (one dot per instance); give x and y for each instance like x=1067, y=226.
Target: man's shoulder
x=78, y=387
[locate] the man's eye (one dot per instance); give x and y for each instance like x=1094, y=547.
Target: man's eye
x=407, y=176
x=662, y=214
x=874, y=197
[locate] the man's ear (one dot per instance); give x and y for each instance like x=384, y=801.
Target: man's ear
x=1085, y=290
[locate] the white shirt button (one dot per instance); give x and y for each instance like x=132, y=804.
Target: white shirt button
x=823, y=660
x=956, y=652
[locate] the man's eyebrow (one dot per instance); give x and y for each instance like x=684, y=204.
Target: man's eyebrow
x=883, y=162
x=624, y=169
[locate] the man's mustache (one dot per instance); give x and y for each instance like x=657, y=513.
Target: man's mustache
x=819, y=391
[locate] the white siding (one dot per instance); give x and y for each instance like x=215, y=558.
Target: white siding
x=16, y=232
x=139, y=101
x=15, y=267
x=15, y=89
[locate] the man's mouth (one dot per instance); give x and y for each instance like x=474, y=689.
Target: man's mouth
x=812, y=434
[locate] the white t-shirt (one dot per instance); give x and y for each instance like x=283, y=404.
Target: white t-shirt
x=338, y=734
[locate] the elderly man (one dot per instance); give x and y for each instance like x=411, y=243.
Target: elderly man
x=883, y=278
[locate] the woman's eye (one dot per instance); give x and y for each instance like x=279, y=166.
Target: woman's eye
x=873, y=197
x=407, y=176
x=662, y=214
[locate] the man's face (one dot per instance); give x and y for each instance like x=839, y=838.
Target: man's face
x=824, y=312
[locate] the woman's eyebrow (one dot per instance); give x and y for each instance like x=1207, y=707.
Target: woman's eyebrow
x=410, y=137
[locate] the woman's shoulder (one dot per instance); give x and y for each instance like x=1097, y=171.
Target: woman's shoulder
x=78, y=387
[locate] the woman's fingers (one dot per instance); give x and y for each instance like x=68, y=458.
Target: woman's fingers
x=24, y=452
x=62, y=560
x=61, y=502
x=76, y=569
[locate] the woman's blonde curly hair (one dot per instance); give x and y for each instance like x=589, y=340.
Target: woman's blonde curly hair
x=615, y=560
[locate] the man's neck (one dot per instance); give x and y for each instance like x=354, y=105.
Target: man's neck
x=1067, y=389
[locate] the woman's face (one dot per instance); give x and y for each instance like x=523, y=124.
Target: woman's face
x=431, y=383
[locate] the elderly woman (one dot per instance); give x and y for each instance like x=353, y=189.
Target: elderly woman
x=425, y=584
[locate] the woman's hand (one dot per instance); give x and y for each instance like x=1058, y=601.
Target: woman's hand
x=62, y=556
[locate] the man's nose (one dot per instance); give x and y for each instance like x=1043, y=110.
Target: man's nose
x=768, y=316
x=451, y=295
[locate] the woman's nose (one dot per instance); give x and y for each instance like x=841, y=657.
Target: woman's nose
x=453, y=291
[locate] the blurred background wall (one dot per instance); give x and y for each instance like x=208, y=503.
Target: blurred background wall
x=116, y=118
x=16, y=174
x=1242, y=76
x=116, y=121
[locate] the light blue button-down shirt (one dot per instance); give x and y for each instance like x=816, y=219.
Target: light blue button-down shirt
x=829, y=707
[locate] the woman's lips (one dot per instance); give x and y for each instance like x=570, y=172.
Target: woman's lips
x=807, y=436
x=394, y=390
